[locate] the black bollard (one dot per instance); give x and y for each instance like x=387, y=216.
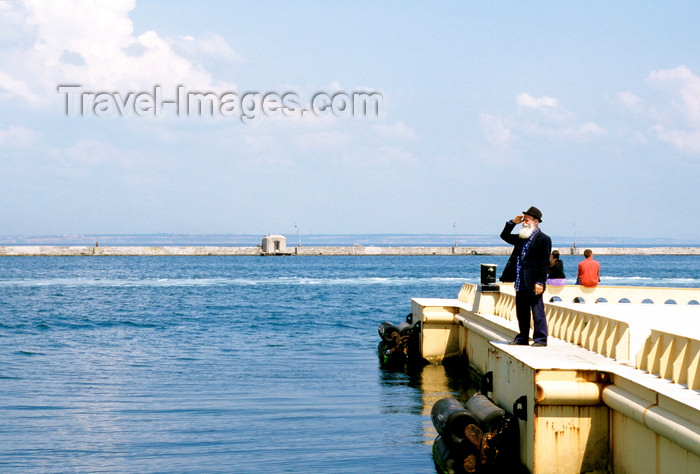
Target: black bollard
x=488, y=278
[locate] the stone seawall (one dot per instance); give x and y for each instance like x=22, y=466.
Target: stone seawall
x=58, y=251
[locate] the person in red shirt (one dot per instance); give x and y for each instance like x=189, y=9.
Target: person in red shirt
x=588, y=270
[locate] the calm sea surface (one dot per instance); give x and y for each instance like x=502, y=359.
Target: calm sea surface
x=230, y=364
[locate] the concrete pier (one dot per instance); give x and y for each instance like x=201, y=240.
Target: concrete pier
x=359, y=250
x=617, y=389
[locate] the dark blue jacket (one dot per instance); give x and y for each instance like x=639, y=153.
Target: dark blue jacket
x=536, y=261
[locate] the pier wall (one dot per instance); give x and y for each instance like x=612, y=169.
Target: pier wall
x=604, y=396
x=57, y=250
x=79, y=251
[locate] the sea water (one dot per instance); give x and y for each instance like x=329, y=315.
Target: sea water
x=230, y=364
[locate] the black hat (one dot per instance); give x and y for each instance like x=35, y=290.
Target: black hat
x=534, y=212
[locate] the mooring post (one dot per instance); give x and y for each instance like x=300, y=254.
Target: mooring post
x=487, y=290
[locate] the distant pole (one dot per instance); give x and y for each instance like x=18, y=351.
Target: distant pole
x=454, y=226
x=298, y=237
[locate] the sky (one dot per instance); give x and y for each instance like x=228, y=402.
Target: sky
x=589, y=111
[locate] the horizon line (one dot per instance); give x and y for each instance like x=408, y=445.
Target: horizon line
x=351, y=238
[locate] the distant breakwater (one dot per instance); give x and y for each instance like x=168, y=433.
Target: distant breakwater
x=358, y=250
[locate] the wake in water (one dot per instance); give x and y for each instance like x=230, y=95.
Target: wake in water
x=193, y=282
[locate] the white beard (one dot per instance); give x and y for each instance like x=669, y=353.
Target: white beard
x=525, y=232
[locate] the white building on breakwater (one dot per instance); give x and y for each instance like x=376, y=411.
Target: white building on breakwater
x=273, y=244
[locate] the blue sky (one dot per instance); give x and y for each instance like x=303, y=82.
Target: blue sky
x=588, y=110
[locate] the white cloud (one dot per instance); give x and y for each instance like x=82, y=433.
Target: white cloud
x=17, y=136
x=678, y=121
x=93, y=44
x=549, y=120
x=526, y=100
x=10, y=87
x=544, y=108
x=496, y=131
x=684, y=88
x=628, y=99
x=591, y=128
x=212, y=46
x=503, y=132
x=685, y=141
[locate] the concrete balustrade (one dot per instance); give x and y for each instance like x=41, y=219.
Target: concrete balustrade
x=467, y=293
x=615, y=294
x=599, y=334
x=673, y=357
x=619, y=294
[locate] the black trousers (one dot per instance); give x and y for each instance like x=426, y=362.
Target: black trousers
x=528, y=303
